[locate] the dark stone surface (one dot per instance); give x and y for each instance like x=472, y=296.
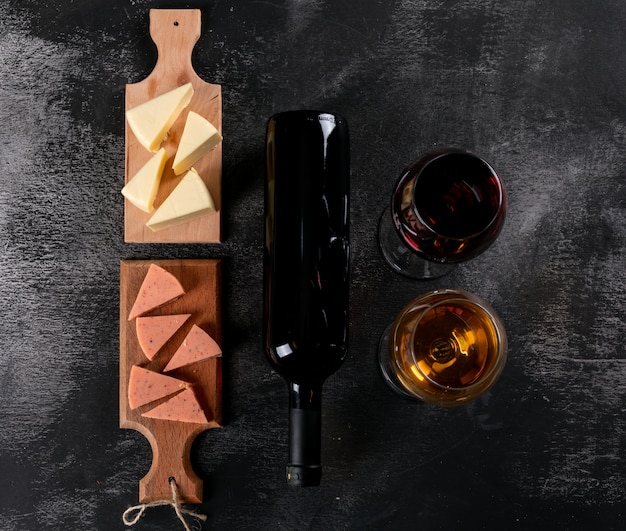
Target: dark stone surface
x=535, y=87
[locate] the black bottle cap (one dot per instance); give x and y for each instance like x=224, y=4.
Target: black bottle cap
x=304, y=476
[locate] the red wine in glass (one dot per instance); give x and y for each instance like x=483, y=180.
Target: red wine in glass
x=447, y=207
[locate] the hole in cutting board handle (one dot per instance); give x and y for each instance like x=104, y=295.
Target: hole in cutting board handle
x=176, y=23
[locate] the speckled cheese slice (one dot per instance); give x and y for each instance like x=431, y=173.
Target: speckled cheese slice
x=189, y=200
x=158, y=288
x=197, y=346
x=199, y=137
x=150, y=121
x=142, y=189
x=154, y=332
x=145, y=386
x=183, y=407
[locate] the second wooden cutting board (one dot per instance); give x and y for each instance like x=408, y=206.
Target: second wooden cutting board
x=171, y=440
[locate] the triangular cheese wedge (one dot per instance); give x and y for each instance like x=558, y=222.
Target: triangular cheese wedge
x=197, y=346
x=154, y=332
x=199, y=137
x=184, y=407
x=151, y=120
x=189, y=200
x=158, y=288
x=142, y=188
x=145, y=386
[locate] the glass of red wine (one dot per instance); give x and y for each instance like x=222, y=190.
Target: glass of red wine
x=447, y=207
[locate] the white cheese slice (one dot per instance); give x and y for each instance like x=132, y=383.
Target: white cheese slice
x=151, y=120
x=199, y=137
x=189, y=200
x=143, y=187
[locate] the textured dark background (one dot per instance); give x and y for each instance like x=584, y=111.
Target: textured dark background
x=535, y=87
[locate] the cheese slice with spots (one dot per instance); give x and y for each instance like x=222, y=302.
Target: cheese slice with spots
x=142, y=189
x=153, y=332
x=199, y=137
x=145, y=386
x=158, y=288
x=150, y=121
x=197, y=346
x=183, y=407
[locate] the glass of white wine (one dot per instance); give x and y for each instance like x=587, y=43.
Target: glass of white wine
x=446, y=347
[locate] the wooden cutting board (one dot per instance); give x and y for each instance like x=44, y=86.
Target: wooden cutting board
x=175, y=32
x=171, y=440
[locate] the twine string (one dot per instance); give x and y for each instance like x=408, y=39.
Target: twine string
x=132, y=515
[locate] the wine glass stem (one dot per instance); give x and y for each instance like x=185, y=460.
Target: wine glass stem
x=403, y=259
x=384, y=362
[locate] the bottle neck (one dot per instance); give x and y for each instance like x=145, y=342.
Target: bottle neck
x=305, y=396
x=304, y=467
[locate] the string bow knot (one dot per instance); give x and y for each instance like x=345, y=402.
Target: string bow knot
x=132, y=515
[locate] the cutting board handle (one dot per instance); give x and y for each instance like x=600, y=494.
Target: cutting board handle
x=175, y=33
x=171, y=451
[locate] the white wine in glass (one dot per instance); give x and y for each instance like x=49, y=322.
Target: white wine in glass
x=446, y=347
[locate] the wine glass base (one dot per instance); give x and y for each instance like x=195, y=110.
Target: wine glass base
x=386, y=369
x=402, y=259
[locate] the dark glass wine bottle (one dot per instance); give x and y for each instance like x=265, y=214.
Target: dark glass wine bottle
x=306, y=268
